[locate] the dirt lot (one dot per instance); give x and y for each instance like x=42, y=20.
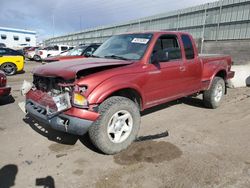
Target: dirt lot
x=204, y=148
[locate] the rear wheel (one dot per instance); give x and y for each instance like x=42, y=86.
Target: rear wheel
x=117, y=126
x=9, y=68
x=213, y=97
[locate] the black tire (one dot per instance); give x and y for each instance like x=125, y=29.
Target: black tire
x=37, y=58
x=98, y=132
x=9, y=68
x=210, y=97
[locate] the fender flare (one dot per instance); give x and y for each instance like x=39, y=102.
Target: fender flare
x=216, y=72
x=100, y=97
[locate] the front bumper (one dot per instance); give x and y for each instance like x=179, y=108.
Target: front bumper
x=5, y=91
x=61, y=122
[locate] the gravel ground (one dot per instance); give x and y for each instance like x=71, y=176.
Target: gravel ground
x=204, y=148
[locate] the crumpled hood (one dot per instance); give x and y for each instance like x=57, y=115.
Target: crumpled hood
x=68, y=69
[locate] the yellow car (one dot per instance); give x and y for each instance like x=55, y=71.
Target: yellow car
x=11, y=61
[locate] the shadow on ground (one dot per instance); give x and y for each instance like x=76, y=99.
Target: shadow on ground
x=8, y=175
x=58, y=136
x=191, y=101
x=47, y=182
x=6, y=100
x=68, y=139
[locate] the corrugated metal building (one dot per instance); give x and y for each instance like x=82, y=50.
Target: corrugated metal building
x=221, y=20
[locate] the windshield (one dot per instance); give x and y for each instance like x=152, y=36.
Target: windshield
x=76, y=51
x=127, y=46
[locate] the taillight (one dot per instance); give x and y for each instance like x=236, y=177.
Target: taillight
x=3, y=81
x=40, y=53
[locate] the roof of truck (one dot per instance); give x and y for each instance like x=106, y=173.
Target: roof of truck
x=157, y=32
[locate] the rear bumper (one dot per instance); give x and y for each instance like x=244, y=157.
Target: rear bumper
x=61, y=122
x=4, y=91
x=230, y=75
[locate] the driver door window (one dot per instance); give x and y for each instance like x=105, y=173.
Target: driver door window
x=167, y=49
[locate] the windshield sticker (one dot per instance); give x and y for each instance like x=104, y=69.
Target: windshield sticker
x=140, y=40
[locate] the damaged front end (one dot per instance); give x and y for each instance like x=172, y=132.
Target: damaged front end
x=48, y=92
x=56, y=102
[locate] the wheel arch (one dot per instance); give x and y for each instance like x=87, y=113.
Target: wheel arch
x=128, y=92
x=222, y=73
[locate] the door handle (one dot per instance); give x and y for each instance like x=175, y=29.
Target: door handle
x=182, y=68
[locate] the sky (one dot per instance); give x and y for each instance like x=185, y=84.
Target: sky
x=75, y=15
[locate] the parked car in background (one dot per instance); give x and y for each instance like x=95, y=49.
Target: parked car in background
x=128, y=73
x=11, y=61
x=77, y=52
x=4, y=89
x=29, y=48
x=30, y=52
x=50, y=51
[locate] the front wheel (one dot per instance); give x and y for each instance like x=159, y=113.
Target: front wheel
x=37, y=58
x=117, y=126
x=213, y=96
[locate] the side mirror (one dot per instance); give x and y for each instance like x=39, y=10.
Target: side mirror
x=159, y=56
x=155, y=58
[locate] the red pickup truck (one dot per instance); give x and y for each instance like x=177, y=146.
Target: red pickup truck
x=103, y=95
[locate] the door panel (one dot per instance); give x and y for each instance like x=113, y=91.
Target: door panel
x=163, y=83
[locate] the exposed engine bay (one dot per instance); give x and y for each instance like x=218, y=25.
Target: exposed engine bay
x=55, y=90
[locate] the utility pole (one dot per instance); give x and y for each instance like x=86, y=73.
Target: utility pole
x=203, y=29
x=53, y=24
x=219, y=20
x=80, y=23
x=139, y=25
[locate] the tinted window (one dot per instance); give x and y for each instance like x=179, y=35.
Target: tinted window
x=55, y=48
x=2, y=51
x=3, y=36
x=15, y=37
x=12, y=52
x=167, y=48
x=64, y=48
x=188, y=46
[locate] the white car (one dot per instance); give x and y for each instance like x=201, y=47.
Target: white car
x=30, y=54
x=50, y=51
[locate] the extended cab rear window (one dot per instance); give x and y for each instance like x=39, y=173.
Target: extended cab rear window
x=188, y=46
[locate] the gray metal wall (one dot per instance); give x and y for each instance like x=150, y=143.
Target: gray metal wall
x=221, y=20
x=238, y=49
